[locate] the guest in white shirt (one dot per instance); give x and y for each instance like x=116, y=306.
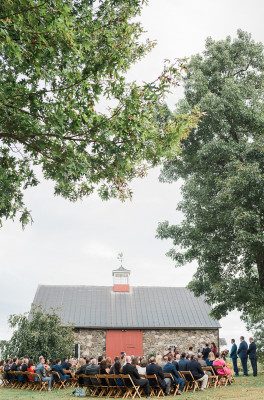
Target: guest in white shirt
x=142, y=367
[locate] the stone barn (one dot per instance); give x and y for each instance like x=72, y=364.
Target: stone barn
x=136, y=320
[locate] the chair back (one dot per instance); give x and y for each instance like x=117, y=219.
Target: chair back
x=153, y=380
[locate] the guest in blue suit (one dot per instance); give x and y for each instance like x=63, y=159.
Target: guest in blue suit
x=169, y=368
x=184, y=364
x=242, y=351
x=57, y=367
x=253, y=356
x=233, y=355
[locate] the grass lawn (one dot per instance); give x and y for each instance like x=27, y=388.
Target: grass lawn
x=249, y=388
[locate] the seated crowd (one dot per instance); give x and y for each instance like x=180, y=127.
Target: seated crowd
x=137, y=367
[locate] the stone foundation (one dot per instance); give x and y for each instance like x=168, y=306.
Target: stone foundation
x=160, y=339
x=93, y=341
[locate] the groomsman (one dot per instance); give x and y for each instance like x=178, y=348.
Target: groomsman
x=253, y=356
x=242, y=351
x=233, y=355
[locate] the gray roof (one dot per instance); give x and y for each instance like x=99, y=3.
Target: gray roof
x=144, y=307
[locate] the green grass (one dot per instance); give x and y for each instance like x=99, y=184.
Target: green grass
x=249, y=388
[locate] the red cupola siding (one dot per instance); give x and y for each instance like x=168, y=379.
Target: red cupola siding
x=121, y=280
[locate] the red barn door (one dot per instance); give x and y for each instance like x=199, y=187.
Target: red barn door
x=131, y=342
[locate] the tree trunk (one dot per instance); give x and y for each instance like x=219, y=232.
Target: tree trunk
x=260, y=266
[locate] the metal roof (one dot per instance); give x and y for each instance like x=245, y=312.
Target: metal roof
x=143, y=307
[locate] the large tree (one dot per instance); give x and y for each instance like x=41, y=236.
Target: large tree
x=38, y=333
x=222, y=167
x=59, y=61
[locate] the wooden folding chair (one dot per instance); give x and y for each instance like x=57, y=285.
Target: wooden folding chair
x=95, y=385
x=31, y=382
x=212, y=379
x=156, y=390
x=57, y=381
x=113, y=388
x=38, y=384
x=102, y=384
x=25, y=380
x=191, y=383
x=3, y=378
x=131, y=389
x=73, y=381
x=15, y=382
x=224, y=378
x=173, y=387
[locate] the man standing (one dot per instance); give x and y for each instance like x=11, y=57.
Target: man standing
x=129, y=369
x=253, y=356
x=206, y=351
x=242, y=351
x=233, y=355
x=154, y=369
x=201, y=348
x=169, y=368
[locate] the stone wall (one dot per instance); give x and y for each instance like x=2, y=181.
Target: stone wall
x=92, y=341
x=160, y=339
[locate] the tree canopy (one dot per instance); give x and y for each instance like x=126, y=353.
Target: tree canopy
x=59, y=61
x=38, y=333
x=222, y=165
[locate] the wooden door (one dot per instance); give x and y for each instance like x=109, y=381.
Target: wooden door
x=129, y=341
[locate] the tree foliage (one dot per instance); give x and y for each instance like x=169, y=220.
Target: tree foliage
x=59, y=61
x=255, y=324
x=40, y=333
x=222, y=165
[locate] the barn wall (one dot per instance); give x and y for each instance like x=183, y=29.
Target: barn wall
x=158, y=340
x=93, y=341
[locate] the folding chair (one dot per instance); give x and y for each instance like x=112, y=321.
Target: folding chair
x=191, y=383
x=173, y=387
x=113, y=388
x=73, y=381
x=131, y=389
x=15, y=381
x=224, y=378
x=57, y=381
x=25, y=380
x=38, y=384
x=95, y=385
x=213, y=379
x=3, y=378
x=30, y=381
x=103, y=385
x=155, y=387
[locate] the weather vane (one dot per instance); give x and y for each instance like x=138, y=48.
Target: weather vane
x=120, y=258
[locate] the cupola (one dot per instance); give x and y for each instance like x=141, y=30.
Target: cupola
x=121, y=278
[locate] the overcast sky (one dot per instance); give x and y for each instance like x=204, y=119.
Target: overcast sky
x=78, y=243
